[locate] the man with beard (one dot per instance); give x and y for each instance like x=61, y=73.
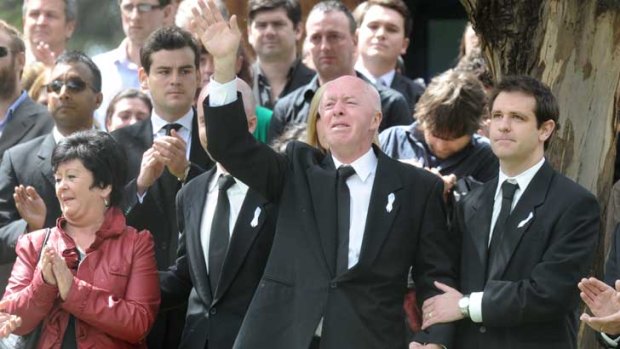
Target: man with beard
x=48, y=25
x=27, y=195
x=21, y=119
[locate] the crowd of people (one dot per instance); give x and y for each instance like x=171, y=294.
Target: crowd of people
x=174, y=193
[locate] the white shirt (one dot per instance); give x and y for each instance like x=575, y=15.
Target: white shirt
x=523, y=180
x=360, y=188
x=387, y=78
x=236, y=194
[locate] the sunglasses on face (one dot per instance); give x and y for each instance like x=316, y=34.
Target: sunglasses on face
x=4, y=51
x=73, y=85
x=142, y=8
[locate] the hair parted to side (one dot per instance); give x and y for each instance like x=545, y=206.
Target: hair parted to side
x=397, y=5
x=292, y=8
x=168, y=38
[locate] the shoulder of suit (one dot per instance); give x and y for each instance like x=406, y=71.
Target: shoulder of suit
x=132, y=130
x=28, y=147
x=568, y=187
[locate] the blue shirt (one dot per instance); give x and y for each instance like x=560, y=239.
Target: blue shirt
x=9, y=113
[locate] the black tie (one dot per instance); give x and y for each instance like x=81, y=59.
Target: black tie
x=342, y=259
x=508, y=193
x=170, y=127
x=220, y=231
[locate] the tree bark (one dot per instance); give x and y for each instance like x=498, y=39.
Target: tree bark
x=574, y=47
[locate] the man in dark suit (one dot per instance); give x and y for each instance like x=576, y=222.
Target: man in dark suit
x=223, y=293
x=384, y=28
x=27, y=196
x=164, y=152
x=330, y=29
x=528, y=236
x=337, y=272
x=21, y=119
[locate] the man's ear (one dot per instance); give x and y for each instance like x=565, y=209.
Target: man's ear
x=143, y=76
x=299, y=32
x=403, y=49
x=546, y=130
x=252, y=121
x=69, y=29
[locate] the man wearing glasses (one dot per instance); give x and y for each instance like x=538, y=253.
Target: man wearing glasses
x=27, y=195
x=119, y=67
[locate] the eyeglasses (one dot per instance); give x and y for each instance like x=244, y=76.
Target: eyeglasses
x=4, y=51
x=73, y=85
x=142, y=8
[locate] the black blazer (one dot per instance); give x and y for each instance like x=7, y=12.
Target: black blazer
x=30, y=120
x=412, y=90
x=216, y=319
x=530, y=297
x=157, y=212
x=28, y=164
x=361, y=308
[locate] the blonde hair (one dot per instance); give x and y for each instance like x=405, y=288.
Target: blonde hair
x=312, y=136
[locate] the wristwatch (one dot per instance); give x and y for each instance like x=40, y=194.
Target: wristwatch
x=464, y=306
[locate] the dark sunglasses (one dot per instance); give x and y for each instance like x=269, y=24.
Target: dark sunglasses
x=142, y=8
x=4, y=51
x=73, y=85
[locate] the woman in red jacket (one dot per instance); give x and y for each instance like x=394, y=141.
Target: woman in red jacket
x=96, y=284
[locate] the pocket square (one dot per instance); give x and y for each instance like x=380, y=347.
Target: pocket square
x=390, y=202
x=254, y=222
x=527, y=219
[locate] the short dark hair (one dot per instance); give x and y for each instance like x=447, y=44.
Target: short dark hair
x=162, y=3
x=335, y=6
x=546, y=105
x=292, y=8
x=71, y=9
x=452, y=105
x=396, y=5
x=72, y=57
x=101, y=155
x=125, y=94
x=168, y=38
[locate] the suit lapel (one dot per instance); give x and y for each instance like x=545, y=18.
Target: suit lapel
x=197, y=155
x=322, y=181
x=521, y=219
x=382, y=209
x=194, y=206
x=478, y=221
x=44, y=157
x=248, y=225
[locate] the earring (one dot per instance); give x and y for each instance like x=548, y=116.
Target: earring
x=106, y=202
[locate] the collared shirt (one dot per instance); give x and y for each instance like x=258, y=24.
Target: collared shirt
x=117, y=73
x=523, y=180
x=236, y=194
x=386, y=78
x=9, y=113
x=185, y=131
x=298, y=75
x=360, y=187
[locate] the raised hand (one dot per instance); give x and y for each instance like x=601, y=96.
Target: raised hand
x=44, y=54
x=150, y=169
x=30, y=206
x=220, y=38
x=171, y=151
x=604, y=303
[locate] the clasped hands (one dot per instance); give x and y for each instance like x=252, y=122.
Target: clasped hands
x=604, y=303
x=55, y=271
x=167, y=151
x=8, y=322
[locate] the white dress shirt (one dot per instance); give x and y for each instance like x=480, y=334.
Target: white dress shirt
x=523, y=180
x=236, y=194
x=386, y=78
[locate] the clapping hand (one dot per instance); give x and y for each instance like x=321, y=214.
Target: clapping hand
x=30, y=206
x=8, y=322
x=604, y=303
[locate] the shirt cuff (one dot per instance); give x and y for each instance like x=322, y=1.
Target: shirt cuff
x=475, y=306
x=222, y=94
x=612, y=342
x=141, y=197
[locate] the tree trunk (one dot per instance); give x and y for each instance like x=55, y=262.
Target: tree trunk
x=574, y=47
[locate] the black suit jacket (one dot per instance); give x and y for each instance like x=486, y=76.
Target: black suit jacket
x=216, y=319
x=30, y=120
x=412, y=90
x=361, y=308
x=156, y=212
x=294, y=108
x=28, y=164
x=530, y=297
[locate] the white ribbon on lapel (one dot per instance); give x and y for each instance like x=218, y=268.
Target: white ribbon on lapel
x=254, y=222
x=523, y=222
x=390, y=201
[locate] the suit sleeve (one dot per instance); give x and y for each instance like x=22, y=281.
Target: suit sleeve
x=612, y=269
x=551, y=288
x=435, y=260
x=395, y=111
x=12, y=226
x=230, y=143
x=175, y=283
x=277, y=123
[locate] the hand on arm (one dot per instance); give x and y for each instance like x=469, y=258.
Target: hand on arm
x=171, y=152
x=151, y=168
x=220, y=38
x=442, y=308
x=30, y=207
x=8, y=322
x=604, y=303
x=448, y=182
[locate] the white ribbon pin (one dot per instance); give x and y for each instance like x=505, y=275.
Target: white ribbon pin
x=523, y=222
x=390, y=202
x=254, y=222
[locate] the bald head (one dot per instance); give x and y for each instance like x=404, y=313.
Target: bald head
x=368, y=91
x=249, y=105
